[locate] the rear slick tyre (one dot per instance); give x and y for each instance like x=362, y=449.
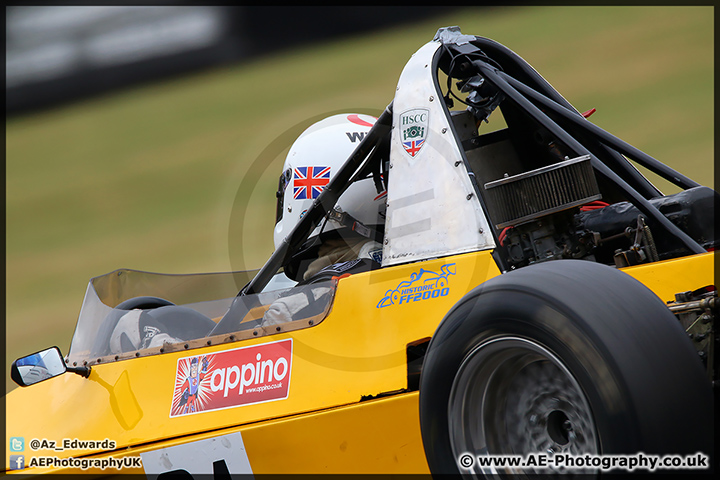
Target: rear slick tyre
x=564, y=357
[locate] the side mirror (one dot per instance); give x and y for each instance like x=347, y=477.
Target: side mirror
x=40, y=366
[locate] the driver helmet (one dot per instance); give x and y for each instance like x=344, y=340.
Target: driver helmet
x=312, y=161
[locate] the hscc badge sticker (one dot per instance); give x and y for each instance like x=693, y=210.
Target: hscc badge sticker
x=232, y=378
x=414, y=129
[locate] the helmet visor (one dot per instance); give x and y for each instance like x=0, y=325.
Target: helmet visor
x=280, y=194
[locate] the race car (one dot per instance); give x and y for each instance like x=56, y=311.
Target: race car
x=532, y=294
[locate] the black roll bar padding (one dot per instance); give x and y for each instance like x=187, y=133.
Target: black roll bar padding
x=322, y=204
x=493, y=76
x=516, y=67
x=621, y=146
x=510, y=60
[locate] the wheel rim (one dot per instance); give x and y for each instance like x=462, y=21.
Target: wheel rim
x=512, y=396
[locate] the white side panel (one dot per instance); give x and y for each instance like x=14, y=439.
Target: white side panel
x=212, y=456
x=432, y=207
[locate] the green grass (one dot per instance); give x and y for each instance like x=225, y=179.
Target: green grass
x=148, y=178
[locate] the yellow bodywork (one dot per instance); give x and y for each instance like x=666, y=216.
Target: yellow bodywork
x=357, y=353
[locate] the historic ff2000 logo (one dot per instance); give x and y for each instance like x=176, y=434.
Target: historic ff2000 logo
x=414, y=129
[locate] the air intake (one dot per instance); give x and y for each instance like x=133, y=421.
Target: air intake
x=530, y=195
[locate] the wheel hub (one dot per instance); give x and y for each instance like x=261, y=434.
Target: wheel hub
x=512, y=396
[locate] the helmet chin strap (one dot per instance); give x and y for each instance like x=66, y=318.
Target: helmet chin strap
x=355, y=225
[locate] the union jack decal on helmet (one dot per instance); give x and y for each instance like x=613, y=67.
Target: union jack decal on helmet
x=309, y=182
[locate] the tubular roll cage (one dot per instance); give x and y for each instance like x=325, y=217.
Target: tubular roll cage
x=527, y=89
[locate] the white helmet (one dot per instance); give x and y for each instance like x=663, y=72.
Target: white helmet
x=314, y=158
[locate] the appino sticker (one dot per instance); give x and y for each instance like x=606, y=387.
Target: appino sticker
x=423, y=285
x=232, y=378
